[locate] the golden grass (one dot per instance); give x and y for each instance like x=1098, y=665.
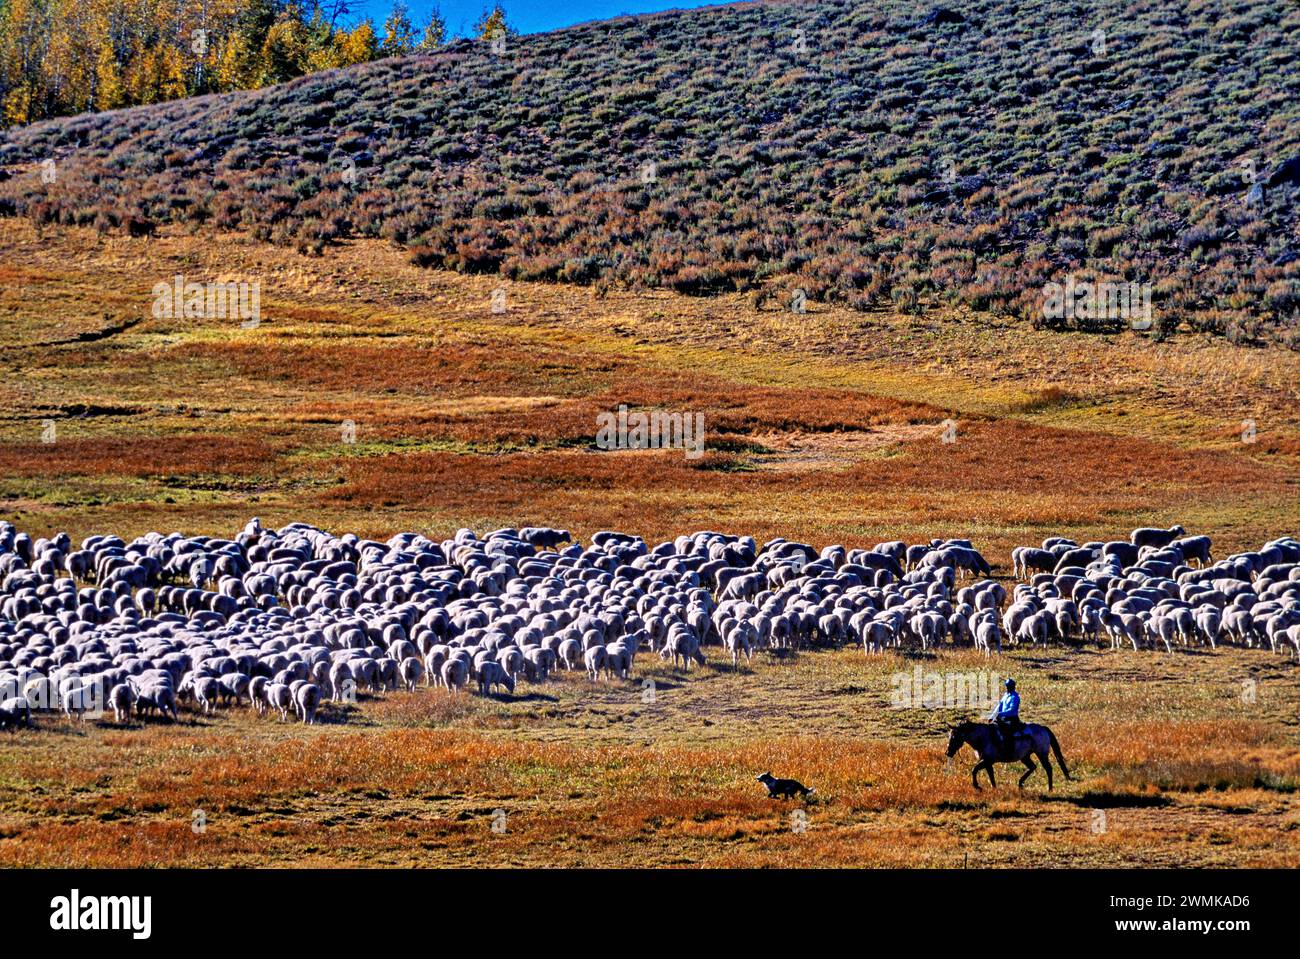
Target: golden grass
x=588, y=774
x=823, y=428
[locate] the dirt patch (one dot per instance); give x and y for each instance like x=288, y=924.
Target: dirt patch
x=801, y=452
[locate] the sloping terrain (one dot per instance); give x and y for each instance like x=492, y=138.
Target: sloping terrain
x=822, y=427
x=866, y=153
x=794, y=146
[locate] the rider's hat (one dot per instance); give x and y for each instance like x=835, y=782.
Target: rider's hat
x=1010, y=683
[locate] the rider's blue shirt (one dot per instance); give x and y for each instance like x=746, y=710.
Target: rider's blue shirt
x=1008, y=707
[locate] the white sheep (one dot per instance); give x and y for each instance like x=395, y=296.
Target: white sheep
x=412, y=671
x=278, y=697
x=491, y=674
x=306, y=701
x=122, y=698
x=455, y=674
x=596, y=662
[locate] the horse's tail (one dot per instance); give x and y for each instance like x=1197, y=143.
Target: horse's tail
x=1056, y=748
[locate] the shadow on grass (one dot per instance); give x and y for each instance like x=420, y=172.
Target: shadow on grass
x=531, y=697
x=1112, y=799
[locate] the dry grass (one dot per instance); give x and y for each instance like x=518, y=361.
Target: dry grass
x=592, y=775
x=824, y=428
x=136, y=456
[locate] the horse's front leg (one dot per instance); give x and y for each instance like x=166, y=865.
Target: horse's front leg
x=975, y=774
x=988, y=767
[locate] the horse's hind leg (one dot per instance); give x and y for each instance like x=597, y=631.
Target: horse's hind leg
x=1029, y=771
x=1047, y=765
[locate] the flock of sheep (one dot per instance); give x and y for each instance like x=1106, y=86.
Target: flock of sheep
x=286, y=619
x=1147, y=592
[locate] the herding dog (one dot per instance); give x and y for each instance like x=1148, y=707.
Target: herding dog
x=783, y=788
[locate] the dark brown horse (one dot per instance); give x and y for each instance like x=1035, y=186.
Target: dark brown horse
x=993, y=746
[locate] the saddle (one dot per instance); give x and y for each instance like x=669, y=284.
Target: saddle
x=1007, y=733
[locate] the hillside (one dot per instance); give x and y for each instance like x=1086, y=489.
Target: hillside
x=824, y=426
x=870, y=154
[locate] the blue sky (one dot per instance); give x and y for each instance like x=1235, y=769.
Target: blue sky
x=526, y=16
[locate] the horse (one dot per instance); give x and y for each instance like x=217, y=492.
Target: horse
x=991, y=748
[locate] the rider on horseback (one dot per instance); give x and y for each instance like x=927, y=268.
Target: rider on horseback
x=1007, y=715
